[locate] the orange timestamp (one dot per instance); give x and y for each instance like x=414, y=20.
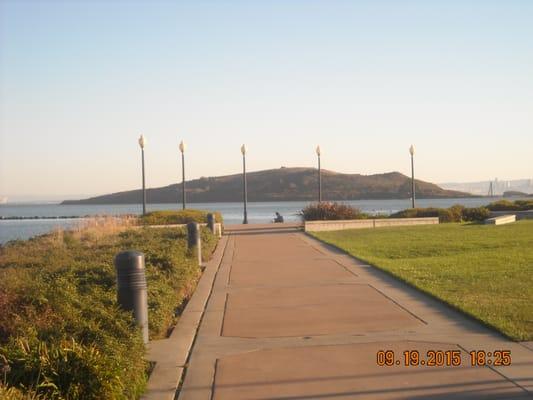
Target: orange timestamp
x=443, y=358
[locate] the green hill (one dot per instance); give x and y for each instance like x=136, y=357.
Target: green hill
x=283, y=184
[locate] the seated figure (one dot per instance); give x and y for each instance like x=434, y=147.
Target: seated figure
x=279, y=218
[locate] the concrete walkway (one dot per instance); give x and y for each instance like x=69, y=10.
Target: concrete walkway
x=290, y=318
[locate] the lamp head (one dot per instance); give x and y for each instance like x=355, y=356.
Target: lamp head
x=182, y=146
x=412, y=150
x=142, y=141
x=318, y=151
x=243, y=149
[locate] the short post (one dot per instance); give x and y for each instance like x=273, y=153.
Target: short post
x=131, y=287
x=194, y=239
x=211, y=222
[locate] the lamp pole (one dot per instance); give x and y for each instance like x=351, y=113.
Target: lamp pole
x=142, y=143
x=182, y=150
x=244, y=186
x=412, y=152
x=319, y=175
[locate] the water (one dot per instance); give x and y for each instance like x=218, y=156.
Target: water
x=260, y=212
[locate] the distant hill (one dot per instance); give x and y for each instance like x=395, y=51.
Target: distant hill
x=514, y=193
x=284, y=184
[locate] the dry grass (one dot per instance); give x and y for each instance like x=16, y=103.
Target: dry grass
x=93, y=229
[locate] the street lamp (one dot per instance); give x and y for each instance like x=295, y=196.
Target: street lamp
x=142, y=143
x=182, y=148
x=319, y=175
x=245, y=189
x=412, y=152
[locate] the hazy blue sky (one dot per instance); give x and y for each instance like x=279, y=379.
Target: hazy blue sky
x=80, y=80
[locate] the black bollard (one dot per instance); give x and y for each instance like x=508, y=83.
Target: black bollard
x=211, y=222
x=131, y=287
x=194, y=239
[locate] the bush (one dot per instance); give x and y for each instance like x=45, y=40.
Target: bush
x=65, y=370
x=476, y=214
x=443, y=214
x=331, y=211
x=456, y=213
x=506, y=205
x=11, y=393
x=61, y=332
x=502, y=205
x=171, y=217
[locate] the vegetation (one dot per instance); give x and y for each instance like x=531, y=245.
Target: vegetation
x=456, y=213
x=331, y=211
x=336, y=211
x=11, y=393
x=62, y=335
x=506, y=205
x=171, y=217
x=483, y=270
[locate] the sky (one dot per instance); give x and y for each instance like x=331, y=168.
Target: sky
x=81, y=80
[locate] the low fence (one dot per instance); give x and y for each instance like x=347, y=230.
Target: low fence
x=338, y=225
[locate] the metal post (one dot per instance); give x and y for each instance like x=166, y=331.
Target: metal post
x=245, y=189
x=131, y=287
x=211, y=222
x=319, y=181
x=194, y=239
x=412, y=181
x=183, y=180
x=144, y=184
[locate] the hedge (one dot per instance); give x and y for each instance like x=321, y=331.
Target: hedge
x=172, y=217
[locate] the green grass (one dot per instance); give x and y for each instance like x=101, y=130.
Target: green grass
x=484, y=270
x=62, y=335
x=170, y=217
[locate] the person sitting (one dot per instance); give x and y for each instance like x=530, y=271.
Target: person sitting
x=279, y=218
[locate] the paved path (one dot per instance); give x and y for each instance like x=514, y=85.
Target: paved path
x=291, y=318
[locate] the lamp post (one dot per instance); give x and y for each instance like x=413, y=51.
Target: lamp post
x=319, y=175
x=142, y=143
x=412, y=152
x=182, y=148
x=245, y=189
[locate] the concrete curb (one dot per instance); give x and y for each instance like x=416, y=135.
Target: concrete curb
x=170, y=355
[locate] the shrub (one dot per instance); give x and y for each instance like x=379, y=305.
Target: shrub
x=444, y=214
x=506, y=205
x=12, y=393
x=331, y=211
x=476, y=214
x=171, y=217
x=524, y=204
x=65, y=370
x=502, y=205
x=456, y=213
x=62, y=334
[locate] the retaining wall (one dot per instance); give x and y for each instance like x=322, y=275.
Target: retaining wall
x=338, y=225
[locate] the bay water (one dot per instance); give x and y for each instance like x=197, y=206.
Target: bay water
x=258, y=212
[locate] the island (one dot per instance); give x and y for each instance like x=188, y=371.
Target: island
x=283, y=184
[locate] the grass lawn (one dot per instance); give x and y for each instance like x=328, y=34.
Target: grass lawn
x=484, y=270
